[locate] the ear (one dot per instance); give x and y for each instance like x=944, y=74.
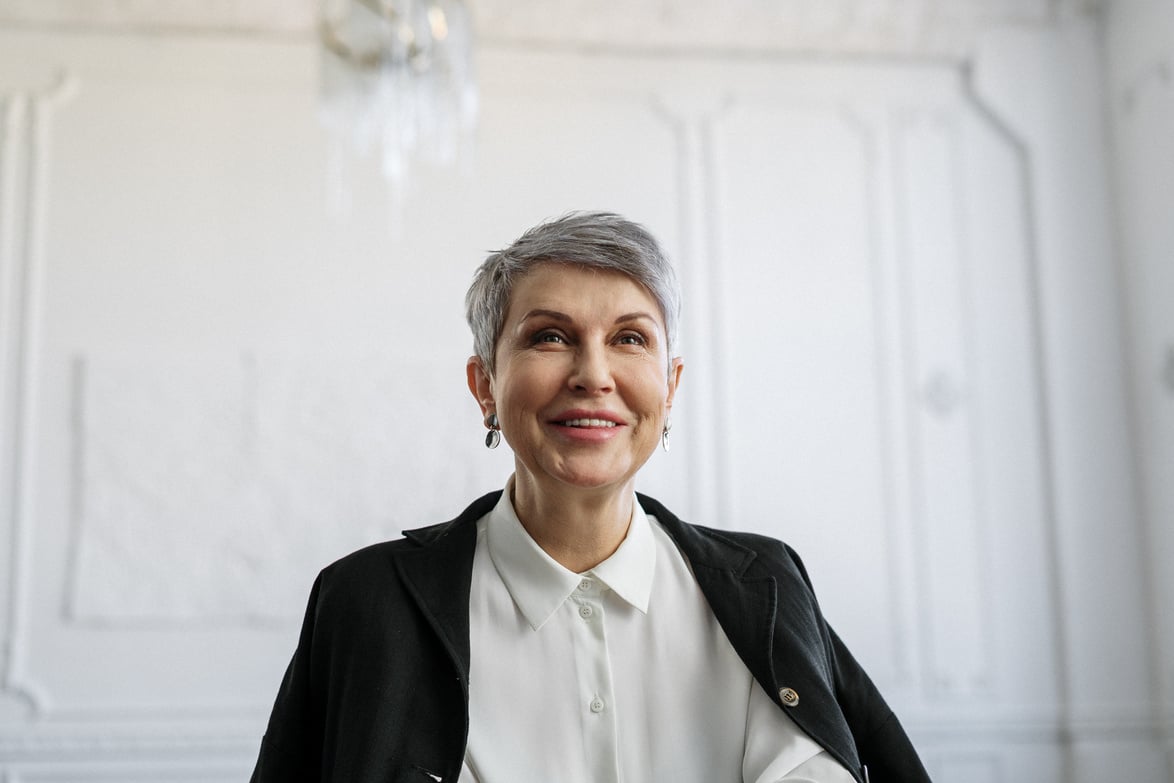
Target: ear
x=480, y=385
x=676, y=366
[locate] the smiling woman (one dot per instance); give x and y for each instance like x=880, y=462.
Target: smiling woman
x=582, y=396
x=568, y=628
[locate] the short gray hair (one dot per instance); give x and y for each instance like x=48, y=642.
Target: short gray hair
x=593, y=240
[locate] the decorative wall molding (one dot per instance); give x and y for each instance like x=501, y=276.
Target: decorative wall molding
x=92, y=745
x=209, y=772
x=187, y=744
x=13, y=154
x=921, y=28
x=1166, y=372
x=698, y=266
x=1094, y=521
x=997, y=124
x=207, y=504
x=1139, y=57
x=977, y=729
x=924, y=28
x=1157, y=79
x=874, y=131
x=260, y=16
x=858, y=126
x=948, y=502
x=24, y=161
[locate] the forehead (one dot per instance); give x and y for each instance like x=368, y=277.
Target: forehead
x=573, y=289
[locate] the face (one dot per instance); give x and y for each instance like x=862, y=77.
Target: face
x=583, y=381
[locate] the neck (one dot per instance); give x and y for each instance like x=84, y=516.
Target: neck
x=579, y=529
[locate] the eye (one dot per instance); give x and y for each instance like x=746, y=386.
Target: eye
x=548, y=336
x=631, y=338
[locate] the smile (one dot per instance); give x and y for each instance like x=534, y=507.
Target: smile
x=587, y=423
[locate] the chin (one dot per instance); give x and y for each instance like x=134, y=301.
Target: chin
x=589, y=480
x=590, y=476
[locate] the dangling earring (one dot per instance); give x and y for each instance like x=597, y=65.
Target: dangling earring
x=493, y=437
x=664, y=434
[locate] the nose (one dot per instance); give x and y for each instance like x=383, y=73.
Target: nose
x=591, y=372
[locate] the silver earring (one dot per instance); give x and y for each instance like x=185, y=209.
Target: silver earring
x=664, y=434
x=493, y=437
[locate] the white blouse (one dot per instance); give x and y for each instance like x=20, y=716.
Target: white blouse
x=618, y=674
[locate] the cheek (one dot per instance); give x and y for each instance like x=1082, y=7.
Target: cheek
x=520, y=396
x=653, y=397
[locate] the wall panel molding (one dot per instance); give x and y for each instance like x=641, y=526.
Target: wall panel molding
x=923, y=28
x=221, y=738
x=154, y=771
x=956, y=608
x=88, y=745
x=25, y=151
x=989, y=118
x=1153, y=81
x=1087, y=436
x=699, y=268
x=168, y=465
x=815, y=145
x=874, y=131
x=1139, y=50
x=972, y=746
x=1048, y=90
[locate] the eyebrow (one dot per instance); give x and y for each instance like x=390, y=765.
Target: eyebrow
x=635, y=317
x=556, y=315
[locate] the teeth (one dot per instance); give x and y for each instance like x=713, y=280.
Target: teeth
x=589, y=423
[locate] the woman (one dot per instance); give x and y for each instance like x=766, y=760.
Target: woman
x=566, y=628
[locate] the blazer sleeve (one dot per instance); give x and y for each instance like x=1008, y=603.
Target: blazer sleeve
x=884, y=748
x=881, y=741
x=291, y=747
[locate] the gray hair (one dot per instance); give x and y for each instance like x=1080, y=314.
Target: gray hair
x=593, y=240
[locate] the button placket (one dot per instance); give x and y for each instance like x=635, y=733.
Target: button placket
x=586, y=597
x=589, y=629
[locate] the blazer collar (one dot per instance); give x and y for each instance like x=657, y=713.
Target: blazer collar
x=438, y=575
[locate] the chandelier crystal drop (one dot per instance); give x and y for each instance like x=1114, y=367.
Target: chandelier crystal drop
x=397, y=80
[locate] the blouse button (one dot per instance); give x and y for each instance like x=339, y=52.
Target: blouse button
x=597, y=705
x=585, y=585
x=585, y=612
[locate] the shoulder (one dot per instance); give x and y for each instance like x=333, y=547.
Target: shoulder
x=729, y=549
x=374, y=573
x=370, y=564
x=440, y=535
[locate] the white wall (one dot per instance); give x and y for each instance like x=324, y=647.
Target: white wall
x=1140, y=101
x=903, y=320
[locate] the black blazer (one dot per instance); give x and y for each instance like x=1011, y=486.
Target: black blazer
x=378, y=688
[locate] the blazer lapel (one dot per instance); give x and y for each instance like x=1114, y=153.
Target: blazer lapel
x=771, y=619
x=438, y=576
x=745, y=606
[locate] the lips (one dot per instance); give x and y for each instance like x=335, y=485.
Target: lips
x=583, y=419
x=588, y=423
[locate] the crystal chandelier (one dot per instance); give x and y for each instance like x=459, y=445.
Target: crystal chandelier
x=397, y=81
